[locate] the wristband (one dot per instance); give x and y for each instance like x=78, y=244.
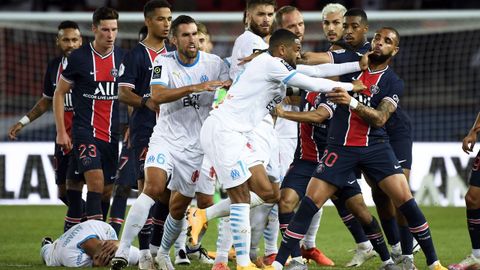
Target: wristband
x=24, y=120
x=144, y=101
x=353, y=103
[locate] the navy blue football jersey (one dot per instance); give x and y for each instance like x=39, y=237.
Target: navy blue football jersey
x=95, y=92
x=135, y=73
x=312, y=137
x=347, y=128
x=346, y=55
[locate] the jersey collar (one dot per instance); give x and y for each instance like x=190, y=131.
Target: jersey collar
x=185, y=64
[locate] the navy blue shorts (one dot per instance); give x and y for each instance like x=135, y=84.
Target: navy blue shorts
x=61, y=162
x=338, y=162
x=403, y=151
x=298, y=176
x=140, y=153
x=93, y=154
x=126, y=172
x=475, y=176
x=350, y=189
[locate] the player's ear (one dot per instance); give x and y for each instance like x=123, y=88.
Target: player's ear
x=395, y=50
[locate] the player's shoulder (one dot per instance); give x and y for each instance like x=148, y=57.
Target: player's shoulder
x=249, y=38
x=165, y=58
x=392, y=76
x=276, y=62
x=81, y=52
x=119, y=50
x=54, y=63
x=210, y=57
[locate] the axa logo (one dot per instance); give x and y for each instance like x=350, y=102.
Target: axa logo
x=105, y=89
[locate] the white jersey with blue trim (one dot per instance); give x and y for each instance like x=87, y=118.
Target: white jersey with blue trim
x=255, y=92
x=245, y=45
x=180, y=121
x=67, y=250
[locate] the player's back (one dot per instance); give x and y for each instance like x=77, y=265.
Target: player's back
x=95, y=92
x=255, y=92
x=180, y=120
x=246, y=44
x=67, y=249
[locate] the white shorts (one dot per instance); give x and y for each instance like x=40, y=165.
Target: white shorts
x=287, y=148
x=208, y=178
x=266, y=148
x=182, y=167
x=229, y=151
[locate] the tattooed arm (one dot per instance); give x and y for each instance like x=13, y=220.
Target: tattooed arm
x=374, y=117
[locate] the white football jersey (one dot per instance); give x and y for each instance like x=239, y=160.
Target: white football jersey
x=180, y=121
x=244, y=45
x=67, y=251
x=255, y=92
x=287, y=129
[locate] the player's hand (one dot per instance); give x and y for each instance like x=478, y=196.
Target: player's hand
x=64, y=141
x=364, y=61
x=469, y=142
x=150, y=104
x=106, y=253
x=249, y=58
x=358, y=86
x=339, y=96
x=227, y=84
x=207, y=86
x=279, y=111
x=13, y=131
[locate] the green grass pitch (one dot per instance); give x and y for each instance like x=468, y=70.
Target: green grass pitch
x=22, y=228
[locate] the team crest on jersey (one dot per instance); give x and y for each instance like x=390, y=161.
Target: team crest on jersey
x=114, y=72
x=287, y=65
x=234, y=174
x=157, y=72
x=204, y=78
x=374, y=89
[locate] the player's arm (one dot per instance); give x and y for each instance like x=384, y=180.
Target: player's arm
x=63, y=87
x=471, y=138
x=317, y=116
x=127, y=96
x=315, y=58
x=162, y=94
x=101, y=251
x=330, y=70
x=42, y=105
x=319, y=84
x=374, y=117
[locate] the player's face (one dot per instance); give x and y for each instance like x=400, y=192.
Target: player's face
x=260, y=19
x=159, y=22
x=292, y=53
x=204, y=43
x=105, y=34
x=333, y=26
x=186, y=41
x=68, y=40
x=294, y=23
x=354, y=30
x=384, y=46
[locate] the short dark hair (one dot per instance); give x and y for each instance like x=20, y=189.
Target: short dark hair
x=254, y=3
x=357, y=12
x=142, y=33
x=281, y=37
x=278, y=22
x=104, y=13
x=68, y=25
x=151, y=5
x=182, y=19
x=392, y=30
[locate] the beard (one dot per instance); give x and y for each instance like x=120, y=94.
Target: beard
x=379, y=59
x=189, y=54
x=257, y=30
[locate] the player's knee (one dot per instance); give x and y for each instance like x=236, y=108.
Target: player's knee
x=122, y=191
x=286, y=205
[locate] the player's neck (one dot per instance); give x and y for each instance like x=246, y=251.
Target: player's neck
x=377, y=67
x=100, y=49
x=154, y=43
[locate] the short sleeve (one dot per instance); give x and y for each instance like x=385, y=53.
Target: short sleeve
x=128, y=71
x=70, y=74
x=323, y=102
x=279, y=70
x=343, y=56
x=160, y=71
x=48, y=84
x=395, y=91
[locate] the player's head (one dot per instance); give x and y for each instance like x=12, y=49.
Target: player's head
x=158, y=18
x=142, y=33
x=105, y=27
x=355, y=27
x=385, y=45
x=290, y=18
x=185, y=36
x=68, y=37
x=260, y=16
x=332, y=21
x=204, y=42
x=286, y=45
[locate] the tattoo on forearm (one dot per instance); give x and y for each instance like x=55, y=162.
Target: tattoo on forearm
x=376, y=117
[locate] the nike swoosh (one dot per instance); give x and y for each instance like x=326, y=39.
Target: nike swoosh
x=92, y=72
x=150, y=68
x=397, y=167
x=401, y=161
x=351, y=182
